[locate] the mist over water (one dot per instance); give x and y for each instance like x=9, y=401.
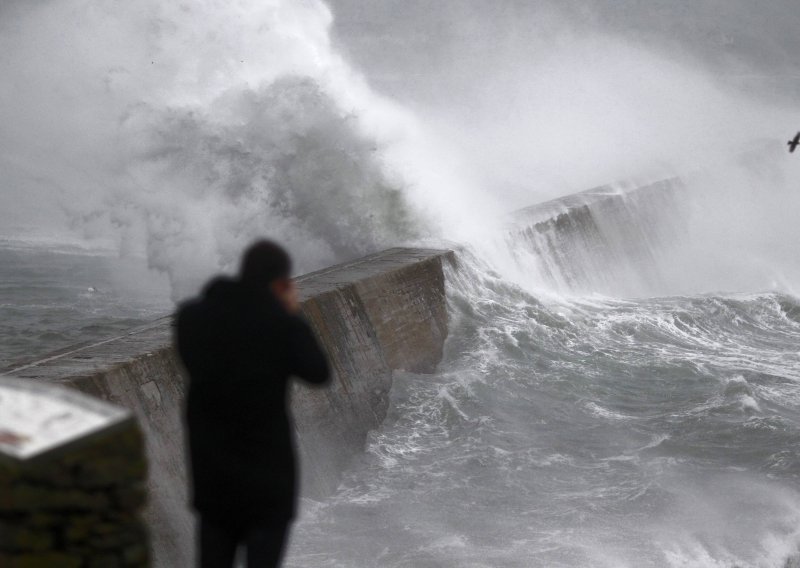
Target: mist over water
x=181, y=132
x=624, y=396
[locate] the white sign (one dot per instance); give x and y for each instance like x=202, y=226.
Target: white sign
x=37, y=417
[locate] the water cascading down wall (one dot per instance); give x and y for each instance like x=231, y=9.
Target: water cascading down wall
x=612, y=239
x=374, y=315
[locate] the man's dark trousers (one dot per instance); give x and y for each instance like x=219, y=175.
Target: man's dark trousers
x=219, y=539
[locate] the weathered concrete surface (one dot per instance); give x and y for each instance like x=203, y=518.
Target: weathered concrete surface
x=385, y=311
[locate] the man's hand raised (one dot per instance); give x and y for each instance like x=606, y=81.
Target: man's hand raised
x=289, y=297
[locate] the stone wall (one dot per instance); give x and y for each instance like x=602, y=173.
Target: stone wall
x=382, y=312
x=77, y=504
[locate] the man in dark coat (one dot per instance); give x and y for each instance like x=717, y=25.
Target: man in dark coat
x=240, y=342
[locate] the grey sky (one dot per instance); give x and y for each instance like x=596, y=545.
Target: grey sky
x=403, y=45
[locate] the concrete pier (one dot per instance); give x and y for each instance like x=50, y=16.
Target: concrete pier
x=610, y=239
x=373, y=315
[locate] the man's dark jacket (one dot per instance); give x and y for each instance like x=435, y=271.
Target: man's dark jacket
x=240, y=347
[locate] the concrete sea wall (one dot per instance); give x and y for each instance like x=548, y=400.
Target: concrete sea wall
x=383, y=312
x=610, y=239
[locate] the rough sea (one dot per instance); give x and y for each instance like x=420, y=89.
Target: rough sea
x=620, y=386
x=559, y=429
x=55, y=295
x=605, y=432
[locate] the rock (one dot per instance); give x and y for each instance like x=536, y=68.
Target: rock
x=43, y=560
x=14, y=536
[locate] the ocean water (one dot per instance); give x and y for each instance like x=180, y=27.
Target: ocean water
x=53, y=296
x=582, y=432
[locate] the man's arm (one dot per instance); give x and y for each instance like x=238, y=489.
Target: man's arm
x=184, y=335
x=306, y=358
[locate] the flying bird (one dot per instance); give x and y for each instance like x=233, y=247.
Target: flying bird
x=793, y=143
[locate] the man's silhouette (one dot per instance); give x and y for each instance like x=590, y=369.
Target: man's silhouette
x=240, y=342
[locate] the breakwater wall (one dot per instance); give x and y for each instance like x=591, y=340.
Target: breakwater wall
x=374, y=315
x=612, y=239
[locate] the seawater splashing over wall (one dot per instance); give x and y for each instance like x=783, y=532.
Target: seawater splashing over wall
x=184, y=131
x=179, y=132
x=725, y=227
x=608, y=240
x=282, y=159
